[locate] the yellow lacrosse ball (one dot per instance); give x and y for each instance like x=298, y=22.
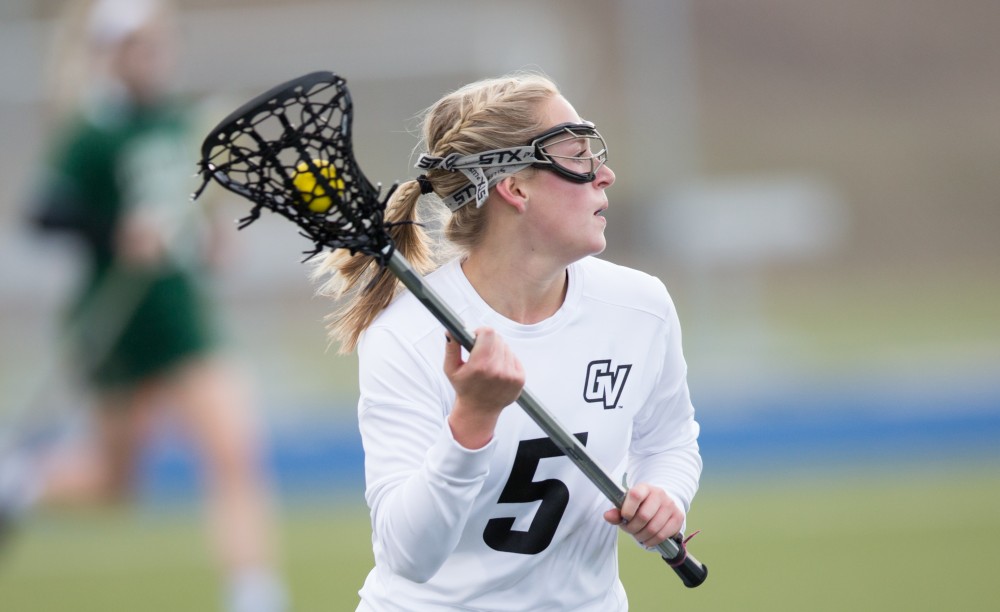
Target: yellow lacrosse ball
x=313, y=195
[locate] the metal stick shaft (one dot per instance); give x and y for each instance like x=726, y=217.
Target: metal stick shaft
x=567, y=443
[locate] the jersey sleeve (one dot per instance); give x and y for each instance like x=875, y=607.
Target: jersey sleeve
x=72, y=186
x=664, y=448
x=420, y=483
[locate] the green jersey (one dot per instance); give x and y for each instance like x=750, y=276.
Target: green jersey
x=130, y=322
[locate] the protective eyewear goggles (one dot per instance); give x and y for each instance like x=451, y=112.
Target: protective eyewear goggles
x=574, y=151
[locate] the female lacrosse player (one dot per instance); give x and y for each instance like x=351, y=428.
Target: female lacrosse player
x=119, y=180
x=472, y=507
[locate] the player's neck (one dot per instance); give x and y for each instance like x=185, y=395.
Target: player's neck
x=523, y=293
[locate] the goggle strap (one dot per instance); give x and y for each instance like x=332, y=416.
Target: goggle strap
x=481, y=179
x=482, y=169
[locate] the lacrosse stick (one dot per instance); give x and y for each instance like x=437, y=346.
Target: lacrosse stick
x=290, y=151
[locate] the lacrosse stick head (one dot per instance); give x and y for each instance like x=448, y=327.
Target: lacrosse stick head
x=290, y=150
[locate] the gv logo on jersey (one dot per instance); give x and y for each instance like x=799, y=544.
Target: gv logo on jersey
x=605, y=384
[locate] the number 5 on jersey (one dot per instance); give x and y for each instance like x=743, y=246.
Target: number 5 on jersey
x=500, y=534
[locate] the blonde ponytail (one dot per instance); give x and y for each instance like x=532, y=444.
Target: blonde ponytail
x=363, y=287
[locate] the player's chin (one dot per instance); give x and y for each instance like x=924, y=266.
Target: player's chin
x=593, y=244
x=599, y=244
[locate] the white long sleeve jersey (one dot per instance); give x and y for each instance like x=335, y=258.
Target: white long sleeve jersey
x=515, y=525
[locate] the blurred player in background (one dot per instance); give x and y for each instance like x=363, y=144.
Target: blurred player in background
x=118, y=181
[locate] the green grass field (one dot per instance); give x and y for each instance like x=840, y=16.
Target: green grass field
x=918, y=538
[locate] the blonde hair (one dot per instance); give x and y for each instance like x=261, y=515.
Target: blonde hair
x=488, y=114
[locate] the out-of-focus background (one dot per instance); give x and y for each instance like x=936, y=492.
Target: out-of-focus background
x=818, y=184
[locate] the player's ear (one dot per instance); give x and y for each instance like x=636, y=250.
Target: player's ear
x=513, y=191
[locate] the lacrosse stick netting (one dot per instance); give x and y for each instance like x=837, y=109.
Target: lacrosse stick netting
x=300, y=130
